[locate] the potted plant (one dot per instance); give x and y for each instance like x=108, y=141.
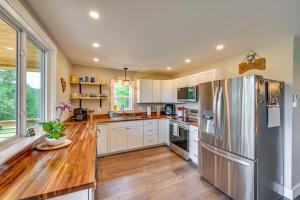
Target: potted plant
x=55, y=129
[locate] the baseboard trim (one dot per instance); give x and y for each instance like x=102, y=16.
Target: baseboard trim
x=288, y=193
x=292, y=193
x=296, y=190
x=129, y=150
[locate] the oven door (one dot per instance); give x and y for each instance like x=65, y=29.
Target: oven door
x=179, y=135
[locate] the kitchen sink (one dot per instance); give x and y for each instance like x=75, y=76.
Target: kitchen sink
x=125, y=118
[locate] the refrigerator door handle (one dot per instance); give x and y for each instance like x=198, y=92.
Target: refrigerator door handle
x=220, y=105
x=215, y=110
x=228, y=157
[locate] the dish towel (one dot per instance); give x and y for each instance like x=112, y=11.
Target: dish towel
x=175, y=130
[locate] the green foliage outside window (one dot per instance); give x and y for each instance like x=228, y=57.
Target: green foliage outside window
x=8, y=97
x=122, y=93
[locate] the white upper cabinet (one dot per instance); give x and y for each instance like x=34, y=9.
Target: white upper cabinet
x=213, y=75
x=206, y=76
x=144, y=91
x=166, y=91
x=188, y=81
x=174, y=90
x=156, y=91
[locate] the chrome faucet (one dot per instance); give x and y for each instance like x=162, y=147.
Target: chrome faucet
x=123, y=110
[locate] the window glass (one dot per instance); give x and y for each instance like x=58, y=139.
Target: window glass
x=123, y=95
x=34, y=66
x=8, y=81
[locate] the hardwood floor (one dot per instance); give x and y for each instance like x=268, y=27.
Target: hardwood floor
x=151, y=174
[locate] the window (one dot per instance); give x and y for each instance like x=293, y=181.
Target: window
x=16, y=77
x=122, y=95
x=34, y=66
x=8, y=81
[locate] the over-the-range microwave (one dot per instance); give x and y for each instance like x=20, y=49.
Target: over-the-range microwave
x=187, y=94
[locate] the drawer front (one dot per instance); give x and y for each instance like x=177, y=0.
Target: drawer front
x=151, y=130
x=150, y=140
x=150, y=122
x=126, y=124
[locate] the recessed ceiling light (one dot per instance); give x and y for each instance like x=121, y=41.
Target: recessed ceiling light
x=96, y=45
x=169, y=68
x=187, y=60
x=9, y=48
x=94, y=15
x=220, y=47
x=96, y=59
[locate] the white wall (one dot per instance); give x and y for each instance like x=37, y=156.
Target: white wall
x=105, y=75
x=63, y=70
x=279, y=66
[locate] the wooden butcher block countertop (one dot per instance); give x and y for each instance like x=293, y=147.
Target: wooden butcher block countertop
x=47, y=174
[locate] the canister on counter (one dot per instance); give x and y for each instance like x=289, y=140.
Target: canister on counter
x=73, y=78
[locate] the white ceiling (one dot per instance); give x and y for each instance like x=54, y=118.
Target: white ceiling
x=149, y=35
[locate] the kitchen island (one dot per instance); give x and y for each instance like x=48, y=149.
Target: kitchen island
x=49, y=174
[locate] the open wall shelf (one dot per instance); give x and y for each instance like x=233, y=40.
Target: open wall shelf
x=80, y=98
x=89, y=83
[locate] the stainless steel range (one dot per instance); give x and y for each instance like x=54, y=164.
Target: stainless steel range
x=179, y=138
x=179, y=132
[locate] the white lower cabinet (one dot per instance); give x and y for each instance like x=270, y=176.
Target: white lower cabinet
x=163, y=131
x=193, y=144
x=135, y=137
x=150, y=140
x=150, y=132
x=118, y=139
x=123, y=136
x=102, y=139
x=80, y=195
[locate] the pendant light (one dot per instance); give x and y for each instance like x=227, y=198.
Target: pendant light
x=125, y=81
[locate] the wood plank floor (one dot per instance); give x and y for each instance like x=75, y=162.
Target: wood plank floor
x=151, y=174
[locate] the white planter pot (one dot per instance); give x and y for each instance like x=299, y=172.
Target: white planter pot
x=53, y=142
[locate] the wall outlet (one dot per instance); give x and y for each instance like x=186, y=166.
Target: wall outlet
x=295, y=100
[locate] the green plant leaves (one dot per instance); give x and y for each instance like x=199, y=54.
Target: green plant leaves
x=54, y=129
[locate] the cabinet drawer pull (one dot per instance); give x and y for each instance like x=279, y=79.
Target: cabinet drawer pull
x=195, y=154
x=197, y=140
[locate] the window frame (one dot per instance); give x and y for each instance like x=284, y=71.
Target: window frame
x=131, y=96
x=21, y=36
x=42, y=71
x=12, y=24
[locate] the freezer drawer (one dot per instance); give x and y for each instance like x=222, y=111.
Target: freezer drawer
x=229, y=173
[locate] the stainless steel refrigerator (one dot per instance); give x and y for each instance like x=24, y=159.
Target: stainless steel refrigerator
x=241, y=137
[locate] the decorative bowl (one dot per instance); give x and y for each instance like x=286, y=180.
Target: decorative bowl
x=53, y=141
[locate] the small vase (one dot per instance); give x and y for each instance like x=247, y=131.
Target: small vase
x=53, y=141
